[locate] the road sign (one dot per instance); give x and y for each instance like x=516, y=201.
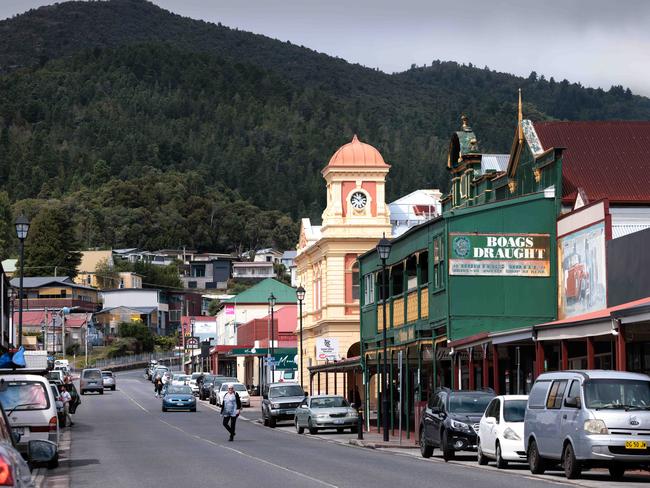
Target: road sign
x=192, y=343
x=269, y=360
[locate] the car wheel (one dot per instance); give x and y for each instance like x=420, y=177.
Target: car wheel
x=101, y=392
x=340, y=430
x=193, y=409
x=482, y=460
x=300, y=430
x=425, y=449
x=572, y=468
x=112, y=388
x=83, y=392
x=265, y=421
x=616, y=472
x=272, y=422
x=164, y=409
x=447, y=451
x=354, y=430
x=501, y=463
x=312, y=430
x=535, y=461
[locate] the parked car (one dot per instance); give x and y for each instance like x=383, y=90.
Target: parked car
x=450, y=421
x=75, y=399
x=179, y=379
x=158, y=372
x=179, y=398
x=215, y=387
x=60, y=414
x=325, y=412
x=30, y=405
x=91, y=380
x=279, y=402
x=56, y=375
x=14, y=470
x=239, y=388
x=204, y=391
x=585, y=419
x=501, y=431
x=108, y=380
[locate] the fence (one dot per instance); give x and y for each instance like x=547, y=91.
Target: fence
x=135, y=359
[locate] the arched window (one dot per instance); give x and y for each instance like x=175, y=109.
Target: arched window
x=355, y=281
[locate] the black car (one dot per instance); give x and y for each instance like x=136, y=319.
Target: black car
x=450, y=421
x=204, y=390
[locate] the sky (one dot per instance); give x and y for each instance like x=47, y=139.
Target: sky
x=598, y=43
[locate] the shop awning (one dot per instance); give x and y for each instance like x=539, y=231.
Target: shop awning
x=599, y=328
x=348, y=364
x=518, y=335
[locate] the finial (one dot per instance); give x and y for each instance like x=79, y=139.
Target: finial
x=520, y=118
x=465, y=121
x=355, y=138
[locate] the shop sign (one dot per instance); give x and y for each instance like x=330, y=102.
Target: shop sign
x=230, y=309
x=499, y=255
x=327, y=349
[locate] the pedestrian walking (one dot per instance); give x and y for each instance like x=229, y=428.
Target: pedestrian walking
x=66, y=399
x=230, y=408
x=158, y=385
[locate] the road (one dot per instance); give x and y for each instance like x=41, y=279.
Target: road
x=123, y=438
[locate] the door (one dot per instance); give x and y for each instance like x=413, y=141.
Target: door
x=571, y=415
x=551, y=428
x=427, y=418
x=438, y=417
x=487, y=428
x=301, y=413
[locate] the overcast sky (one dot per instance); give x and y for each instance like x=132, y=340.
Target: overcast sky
x=595, y=42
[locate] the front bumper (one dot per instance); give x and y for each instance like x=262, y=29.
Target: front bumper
x=183, y=405
x=512, y=450
x=283, y=413
x=611, y=448
x=461, y=440
x=335, y=423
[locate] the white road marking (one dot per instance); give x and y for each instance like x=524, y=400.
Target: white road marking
x=131, y=398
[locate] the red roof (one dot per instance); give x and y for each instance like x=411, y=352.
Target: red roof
x=607, y=159
x=36, y=318
x=598, y=314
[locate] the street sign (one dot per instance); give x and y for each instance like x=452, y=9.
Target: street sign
x=192, y=343
x=269, y=360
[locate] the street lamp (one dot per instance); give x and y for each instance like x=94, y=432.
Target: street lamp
x=192, y=323
x=272, y=304
x=22, y=228
x=300, y=294
x=383, y=249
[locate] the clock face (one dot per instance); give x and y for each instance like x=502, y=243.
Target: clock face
x=358, y=200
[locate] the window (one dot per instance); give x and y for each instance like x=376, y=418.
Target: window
x=191, y=284
x=397, y=279
x=369, y=289
x=383, y=293
x=411, y=273
x=438, y=264
x=355, y=281
x=556, y=394
x=25, y=395
x=537, y=395
x=198, y=271
x=424, y=268
x=514, y=410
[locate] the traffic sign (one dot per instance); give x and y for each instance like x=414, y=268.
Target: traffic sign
x=192, y=343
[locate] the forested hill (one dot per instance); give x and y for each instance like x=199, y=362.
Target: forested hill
x=95, y=96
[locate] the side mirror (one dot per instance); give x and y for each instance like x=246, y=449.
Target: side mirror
x=41, y=453
x=436, y=410
x=490, y=420
x=572, y=402
x=353, y=405
x=16, y=436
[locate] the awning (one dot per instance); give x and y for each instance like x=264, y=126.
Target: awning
x=599, y=328
x=348, y=364
x=512, y=336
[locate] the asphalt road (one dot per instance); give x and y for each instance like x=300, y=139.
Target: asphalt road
x=123, y=438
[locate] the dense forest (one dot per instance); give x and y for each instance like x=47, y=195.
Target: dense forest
x=154, y=130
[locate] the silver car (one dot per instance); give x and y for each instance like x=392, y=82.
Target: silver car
x=325, y=412
x=583, y=419
x=108, y=380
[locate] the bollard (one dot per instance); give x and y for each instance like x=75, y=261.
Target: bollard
x=360, y=426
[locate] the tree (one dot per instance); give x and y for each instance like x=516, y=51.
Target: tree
x=140, y=332
x=213, y=307
x=51, y=245
x=106, y=275
x=7, y=233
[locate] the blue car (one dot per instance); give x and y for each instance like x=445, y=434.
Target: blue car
x=179, y=398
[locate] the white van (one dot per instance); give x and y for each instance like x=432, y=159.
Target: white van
x=31, y=407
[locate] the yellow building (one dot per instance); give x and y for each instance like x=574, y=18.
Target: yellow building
x=356, y=217
x=86, y=272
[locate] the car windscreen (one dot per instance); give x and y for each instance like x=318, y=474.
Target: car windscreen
x=286, y=391
x=107, y=373
x=24, y=395
x=514, y=410
x=236, y=386
x=91, y=374
x=469, y=404
x=329, y=402
x=616, y=393
x=179, y=390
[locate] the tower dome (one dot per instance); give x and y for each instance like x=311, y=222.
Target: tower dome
x=357, y=153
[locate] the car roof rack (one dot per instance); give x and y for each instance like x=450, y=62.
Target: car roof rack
x=36, y=371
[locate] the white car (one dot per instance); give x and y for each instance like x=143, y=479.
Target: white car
x=501, y=431
x=240, y=388
x=180, y=379
x=195, y=387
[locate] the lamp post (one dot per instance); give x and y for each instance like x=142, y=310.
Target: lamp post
x=22, y=228
x=300, y=294
x=192, y=323
x=272, y=304
x=383, y=249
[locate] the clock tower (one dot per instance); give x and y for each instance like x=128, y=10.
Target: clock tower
x=355, y=218
x=355, y=178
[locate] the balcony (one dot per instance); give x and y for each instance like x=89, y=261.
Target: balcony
x=57, y=304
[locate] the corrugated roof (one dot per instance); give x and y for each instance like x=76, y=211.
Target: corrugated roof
x=497, y=162
x=39, y=281
x=607, y=159
x=625, y=229
x=261, y=291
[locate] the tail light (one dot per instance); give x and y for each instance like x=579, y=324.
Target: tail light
x=53, y=424
x=6, y=476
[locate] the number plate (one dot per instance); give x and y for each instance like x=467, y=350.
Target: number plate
x=18, y=430
x=635, y=445
x=338, y=421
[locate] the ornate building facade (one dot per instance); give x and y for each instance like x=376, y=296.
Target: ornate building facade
x=356, y=217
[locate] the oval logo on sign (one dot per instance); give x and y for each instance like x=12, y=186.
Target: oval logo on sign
x=634, y=421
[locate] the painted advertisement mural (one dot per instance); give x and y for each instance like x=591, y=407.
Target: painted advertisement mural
x=582, y=271
x=499, y=255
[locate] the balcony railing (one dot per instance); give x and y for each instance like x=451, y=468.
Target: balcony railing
x=58, y=303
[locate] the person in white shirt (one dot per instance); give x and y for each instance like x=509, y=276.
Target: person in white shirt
x=66, y=399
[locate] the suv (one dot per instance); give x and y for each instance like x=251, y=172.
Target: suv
x=91, y=380
x=585, y=419
x=450, y=421
x=279, y=402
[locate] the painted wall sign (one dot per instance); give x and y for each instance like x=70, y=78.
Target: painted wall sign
x=499, y=255
x=327, y=349
x=230, y=309
x=582, y=271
